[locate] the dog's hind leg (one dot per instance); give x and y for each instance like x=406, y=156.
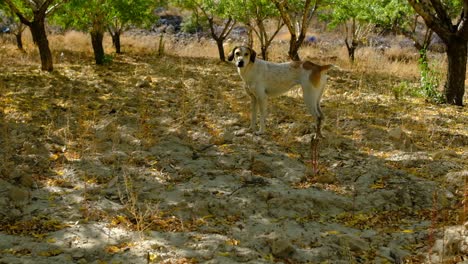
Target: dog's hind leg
x=312, y=96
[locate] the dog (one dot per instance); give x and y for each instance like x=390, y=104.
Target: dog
x=264, y=79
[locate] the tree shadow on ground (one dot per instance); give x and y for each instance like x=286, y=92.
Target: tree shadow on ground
x=152, y=160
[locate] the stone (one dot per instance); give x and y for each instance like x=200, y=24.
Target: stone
x=282, y=248
x=457, y=178
x=143, y=84
x=260, y=167
x=19, y=196
x=27, y=181
x=396, y=133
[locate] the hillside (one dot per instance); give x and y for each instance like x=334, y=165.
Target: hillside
x=148, y=160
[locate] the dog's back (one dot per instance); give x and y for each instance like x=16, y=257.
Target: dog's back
x=278, y=78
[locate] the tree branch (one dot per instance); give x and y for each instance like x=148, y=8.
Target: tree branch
x=20, y=15
x=431, y=19
x=462, y=26
x=441, y=12
x=285, y=16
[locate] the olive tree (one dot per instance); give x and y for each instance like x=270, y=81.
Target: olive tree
x=256, y=14
x=90, y=16
x=16, y=26
x=33, y=14
x=355, y=17
x=126, y=13
x=296, y=15
x=449, y=19
x=97, y=16
x=218, y=14
x=398, y=16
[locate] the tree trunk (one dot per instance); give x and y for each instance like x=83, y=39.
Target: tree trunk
x=19, y=40
x=457, y=58
x=351, y=49
x=116, y=41
x=264, y=49
x=351, y=53
x=96, y=40
x=219, y=44
x=39, y=35
x=294, y=46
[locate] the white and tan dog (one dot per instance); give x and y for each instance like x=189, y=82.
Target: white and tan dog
x=263, y=79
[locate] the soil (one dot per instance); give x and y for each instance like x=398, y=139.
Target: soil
x=149, y=160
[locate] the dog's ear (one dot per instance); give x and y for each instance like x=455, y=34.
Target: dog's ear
x=253, y=55
x=231, y=54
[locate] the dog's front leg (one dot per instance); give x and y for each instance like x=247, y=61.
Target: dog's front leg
x=263, y=112
x=253, y=113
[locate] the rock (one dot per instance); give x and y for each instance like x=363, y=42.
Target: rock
x=354, y=243
x=19, y=196
x=401, y=140
x=453, y=242
x=260, y=167
x=326, y=178
x=27, y=181
x=143, y=84
x=281, y=247
x=243, y=254
x=148, y=79
x=113, y=157
x=241, y=132
x=457, y=178
x=444, y=154
x=396, y=133
x=79, y=254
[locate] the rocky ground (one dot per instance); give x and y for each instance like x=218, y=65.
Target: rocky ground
x=149, y=160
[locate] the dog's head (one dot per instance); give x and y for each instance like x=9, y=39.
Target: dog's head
x=242, y=56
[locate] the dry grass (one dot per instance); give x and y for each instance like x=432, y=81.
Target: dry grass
x=73, y=45
x=196, y=107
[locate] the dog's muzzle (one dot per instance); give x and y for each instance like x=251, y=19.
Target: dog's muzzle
x=240, y=64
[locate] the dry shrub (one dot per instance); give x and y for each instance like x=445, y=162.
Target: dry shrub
x=401, y=54
x=74, y=41
x=142, y=44
x=203, y=48
x=369, y=59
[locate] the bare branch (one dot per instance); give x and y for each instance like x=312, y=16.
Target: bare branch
x=423, y=8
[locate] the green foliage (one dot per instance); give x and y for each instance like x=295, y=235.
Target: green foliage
x=193, y=24
x=338, y=12
x=84, y=14
x=108, y=59
x=137, y=12
x=430, y=80
x=391, y=14
x=400, y=90
x=26, y=11
x=254, y=9
x=209, y=8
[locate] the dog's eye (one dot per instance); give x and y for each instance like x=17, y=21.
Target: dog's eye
x=237, y=53
x=246, y=54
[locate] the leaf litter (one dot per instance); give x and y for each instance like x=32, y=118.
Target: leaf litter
x=146, y=160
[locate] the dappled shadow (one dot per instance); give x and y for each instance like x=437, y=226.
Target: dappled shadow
x=149, y=160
